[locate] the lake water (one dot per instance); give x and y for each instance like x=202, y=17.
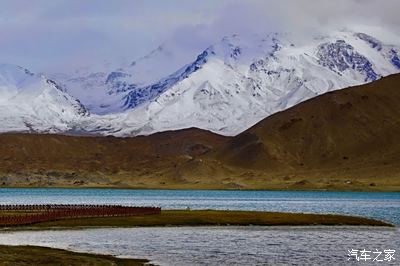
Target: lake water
x=221, y=245
x=384, y=206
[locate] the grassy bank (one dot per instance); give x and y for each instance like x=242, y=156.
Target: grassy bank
x=31, y=255
x=209, y=217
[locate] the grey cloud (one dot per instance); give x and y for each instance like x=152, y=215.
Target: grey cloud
x=62, y=34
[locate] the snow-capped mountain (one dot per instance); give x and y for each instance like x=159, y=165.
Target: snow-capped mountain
x=103, y=89
x=32, y=103
x=237, y=82
x=226, y=88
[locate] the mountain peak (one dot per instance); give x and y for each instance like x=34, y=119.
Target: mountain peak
x=31, y=102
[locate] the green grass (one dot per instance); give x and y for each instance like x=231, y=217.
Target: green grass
x=209, y=217
x=31, y=255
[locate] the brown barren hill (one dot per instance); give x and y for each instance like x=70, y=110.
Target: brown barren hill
x=346, y=139
x=343, y=140
x=145, y=161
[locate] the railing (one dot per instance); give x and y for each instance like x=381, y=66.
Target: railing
x=57, y=212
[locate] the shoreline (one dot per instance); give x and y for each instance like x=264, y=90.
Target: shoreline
x=173, y=188
x=180, y=218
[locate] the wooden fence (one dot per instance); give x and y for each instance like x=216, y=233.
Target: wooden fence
x=52, y=212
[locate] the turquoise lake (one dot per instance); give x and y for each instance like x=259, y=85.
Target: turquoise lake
x=379, y=205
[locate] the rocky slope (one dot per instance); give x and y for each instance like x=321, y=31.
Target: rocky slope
x=347, y=136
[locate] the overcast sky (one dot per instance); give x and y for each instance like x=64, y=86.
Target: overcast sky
x=49, y=35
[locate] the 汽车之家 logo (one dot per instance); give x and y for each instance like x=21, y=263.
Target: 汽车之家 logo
x=370, y=255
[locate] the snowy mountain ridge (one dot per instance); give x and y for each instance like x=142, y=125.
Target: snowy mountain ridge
x=234, y=84
x=227, y=88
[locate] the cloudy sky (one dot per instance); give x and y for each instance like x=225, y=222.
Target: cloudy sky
x=48, y=35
